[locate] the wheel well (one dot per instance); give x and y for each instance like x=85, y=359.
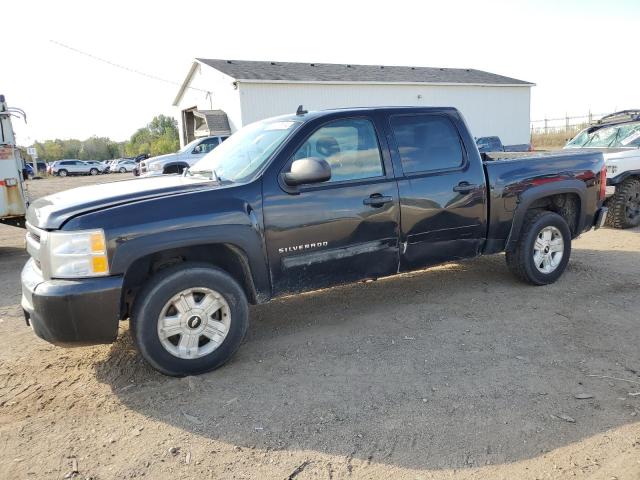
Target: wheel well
x=174, y=168
x=224, y=256
x=567, y=205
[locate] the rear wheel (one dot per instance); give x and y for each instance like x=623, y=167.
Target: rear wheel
x=543, y=250
x=93, y=171
x=189, y=319
x=122, y=170
x=624, y=206
x=63, y=173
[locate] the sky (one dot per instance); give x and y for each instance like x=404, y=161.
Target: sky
x=581, y=54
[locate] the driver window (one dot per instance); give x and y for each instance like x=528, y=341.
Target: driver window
x=350, y=147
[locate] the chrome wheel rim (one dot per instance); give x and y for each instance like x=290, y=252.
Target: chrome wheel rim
x=548, y=249
x=194, y=323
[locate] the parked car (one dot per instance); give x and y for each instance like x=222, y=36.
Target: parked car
x=95, y=163
x=63, y=168
x=288, y=205
x=123, y=166
x=184, y=158
x=28, y=171
x=489, y=144
x=113, y=165
x=617, y=136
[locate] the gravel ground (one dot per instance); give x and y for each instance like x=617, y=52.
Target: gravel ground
x=457, y=371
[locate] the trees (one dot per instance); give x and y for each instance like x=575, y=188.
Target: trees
x=160, y=136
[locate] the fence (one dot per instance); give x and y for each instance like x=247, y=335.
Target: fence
x=565, y=124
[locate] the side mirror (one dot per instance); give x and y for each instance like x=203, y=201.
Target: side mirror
x=308, y=170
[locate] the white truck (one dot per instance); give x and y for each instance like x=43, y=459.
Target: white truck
x=617, y=136
x=183, y=158
x=13, y=194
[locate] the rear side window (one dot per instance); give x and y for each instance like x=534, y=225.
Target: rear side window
x=427, y=142
x=350, y=146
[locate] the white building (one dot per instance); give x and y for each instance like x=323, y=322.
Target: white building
x=220, y=96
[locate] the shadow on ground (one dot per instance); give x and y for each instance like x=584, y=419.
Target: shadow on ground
x=452, y=367
x=12, y=258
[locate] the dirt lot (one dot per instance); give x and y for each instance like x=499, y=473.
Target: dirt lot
x=453, y=372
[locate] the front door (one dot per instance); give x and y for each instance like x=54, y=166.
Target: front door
x=442, y=190
x=341, y=230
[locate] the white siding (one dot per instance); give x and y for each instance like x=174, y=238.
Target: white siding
x=489, y=110
x=224, y=96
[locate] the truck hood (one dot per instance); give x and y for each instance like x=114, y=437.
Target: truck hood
x=169, y=157
x=51, y=212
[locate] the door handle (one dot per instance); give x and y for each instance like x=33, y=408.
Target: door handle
x=464, y=187
x=377, y=200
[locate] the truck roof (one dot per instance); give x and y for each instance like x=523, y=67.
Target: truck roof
x=310, y=115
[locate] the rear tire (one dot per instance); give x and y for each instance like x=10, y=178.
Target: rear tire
x=122, y=170
x=624, y=205
x=93, y=171
x=62, y=173
x=543, y=249
x=155, y=307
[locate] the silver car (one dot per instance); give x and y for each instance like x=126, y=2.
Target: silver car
x=74, y=167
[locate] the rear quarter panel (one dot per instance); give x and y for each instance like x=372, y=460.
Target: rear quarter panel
x=516, y=182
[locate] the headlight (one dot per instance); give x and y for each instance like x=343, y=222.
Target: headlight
x=78, y=254
x=155, y=166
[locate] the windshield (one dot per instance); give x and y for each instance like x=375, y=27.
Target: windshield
x=244, y=152
x=190, y=146
x=613, y=136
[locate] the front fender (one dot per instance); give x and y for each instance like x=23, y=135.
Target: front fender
x=618, y=179
x=243, y=238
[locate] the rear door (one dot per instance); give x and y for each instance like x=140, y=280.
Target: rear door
x=442, y=190
x=337, y=231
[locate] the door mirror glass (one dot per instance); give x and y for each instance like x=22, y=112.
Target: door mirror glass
x=308, y=170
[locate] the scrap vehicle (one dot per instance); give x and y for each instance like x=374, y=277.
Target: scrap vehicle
x=288, y=205
x=617, y=136
x=13, y=173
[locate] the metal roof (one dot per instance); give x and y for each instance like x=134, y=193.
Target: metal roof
x=216, y=121
x=347, y=73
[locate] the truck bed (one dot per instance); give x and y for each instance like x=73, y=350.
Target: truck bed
x=512, y=177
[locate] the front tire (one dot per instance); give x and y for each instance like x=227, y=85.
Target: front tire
x=624, y=206
x=189, y=319
x=62, y=173
x=93, y=171
x=122, y=170
x=543, y=250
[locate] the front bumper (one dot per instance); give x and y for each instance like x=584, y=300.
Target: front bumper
x=601, y=217
x=71, y=312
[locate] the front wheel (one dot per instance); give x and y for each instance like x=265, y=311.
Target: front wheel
x=189, y=319
x=93, y=171
x=624, y=206
x=122, y=170
x=543, y=250
x=62, y=173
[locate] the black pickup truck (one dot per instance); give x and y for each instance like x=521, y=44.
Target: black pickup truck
x=287, y=205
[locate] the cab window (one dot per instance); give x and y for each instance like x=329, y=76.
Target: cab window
x=350, y=146
x=427, y=142
x=206, y=145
